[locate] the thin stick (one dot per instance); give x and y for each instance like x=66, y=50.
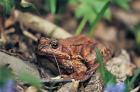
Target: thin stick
x=41, y=25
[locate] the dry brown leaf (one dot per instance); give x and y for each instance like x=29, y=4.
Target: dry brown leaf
x=129, y=18
x=31, y=89
x=94, y=85
x=105, y=33
x=40, y=25
x=121, y=66
x=69, y=87
x=135, y=5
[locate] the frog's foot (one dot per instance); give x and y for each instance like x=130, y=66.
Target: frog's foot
x=66, y=77
x=74, y=76
x=78, y=75
x=90, y=72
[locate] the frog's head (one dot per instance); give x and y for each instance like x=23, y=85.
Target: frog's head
x=50, y=47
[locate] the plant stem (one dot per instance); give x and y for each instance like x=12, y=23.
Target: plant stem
x=53, y=6
x=98, y=17
x=81, y=25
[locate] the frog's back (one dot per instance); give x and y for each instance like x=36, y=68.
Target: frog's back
x=78, y=40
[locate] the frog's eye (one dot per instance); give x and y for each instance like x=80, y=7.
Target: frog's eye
x=54, y=44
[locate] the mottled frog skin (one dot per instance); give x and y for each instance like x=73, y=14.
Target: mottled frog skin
x=75, y=55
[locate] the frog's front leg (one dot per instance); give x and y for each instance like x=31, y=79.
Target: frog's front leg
x=79, y=70
x=73, y=69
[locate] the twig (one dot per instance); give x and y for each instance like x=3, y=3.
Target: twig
x=40, y=25
x=28, y=34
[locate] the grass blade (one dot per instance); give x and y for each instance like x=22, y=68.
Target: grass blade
x=100, y=60
x=137, y=72
x=52, y=6
x=105, y=74
x=81, y=25
x=101, y=13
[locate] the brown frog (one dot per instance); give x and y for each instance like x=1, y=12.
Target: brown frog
x=75, y=56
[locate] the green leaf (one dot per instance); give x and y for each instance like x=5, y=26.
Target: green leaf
x=90, y=9
x=28, y=78
x=72, y=1
x=87, y=11
x=84, y=10
x=7, y=6
x=108, y=14
x=98, y=5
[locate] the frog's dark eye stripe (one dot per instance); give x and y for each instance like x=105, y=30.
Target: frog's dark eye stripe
x=54, y=44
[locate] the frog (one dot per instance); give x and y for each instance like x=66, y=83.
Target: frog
x=75, y=56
